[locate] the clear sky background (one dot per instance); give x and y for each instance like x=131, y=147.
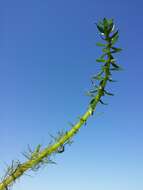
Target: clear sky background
x=47, y=56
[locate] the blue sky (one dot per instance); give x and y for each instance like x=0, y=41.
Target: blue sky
x=47, y=56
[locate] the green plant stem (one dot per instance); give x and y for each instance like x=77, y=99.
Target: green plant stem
x=22, y=168
x=48, y=151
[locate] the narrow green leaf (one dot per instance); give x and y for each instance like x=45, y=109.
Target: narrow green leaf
x=110, y=21
x=114, y=40
x=89, y=94
x=101, y=82
x=92, y=91
x=108, y=93
x=116, y=69
x=104, y=68
x=110, y=80
x=106, y=50
x=100, y=44
x=105, y=24
x=38, y=148
x=92, y=101
x=115, y=34
x=115, y=65
x=111, y=57
x=26, y=155
x=98, y=77
x=102, y=102
x=113, y=60
x=116, y=50
x=101, y=60
x=111, y=25
x=100, y=28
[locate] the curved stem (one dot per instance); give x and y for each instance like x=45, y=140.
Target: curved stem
x=48, y=151
x=33, y=161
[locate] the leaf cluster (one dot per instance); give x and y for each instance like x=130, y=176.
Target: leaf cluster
x=110, y=35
